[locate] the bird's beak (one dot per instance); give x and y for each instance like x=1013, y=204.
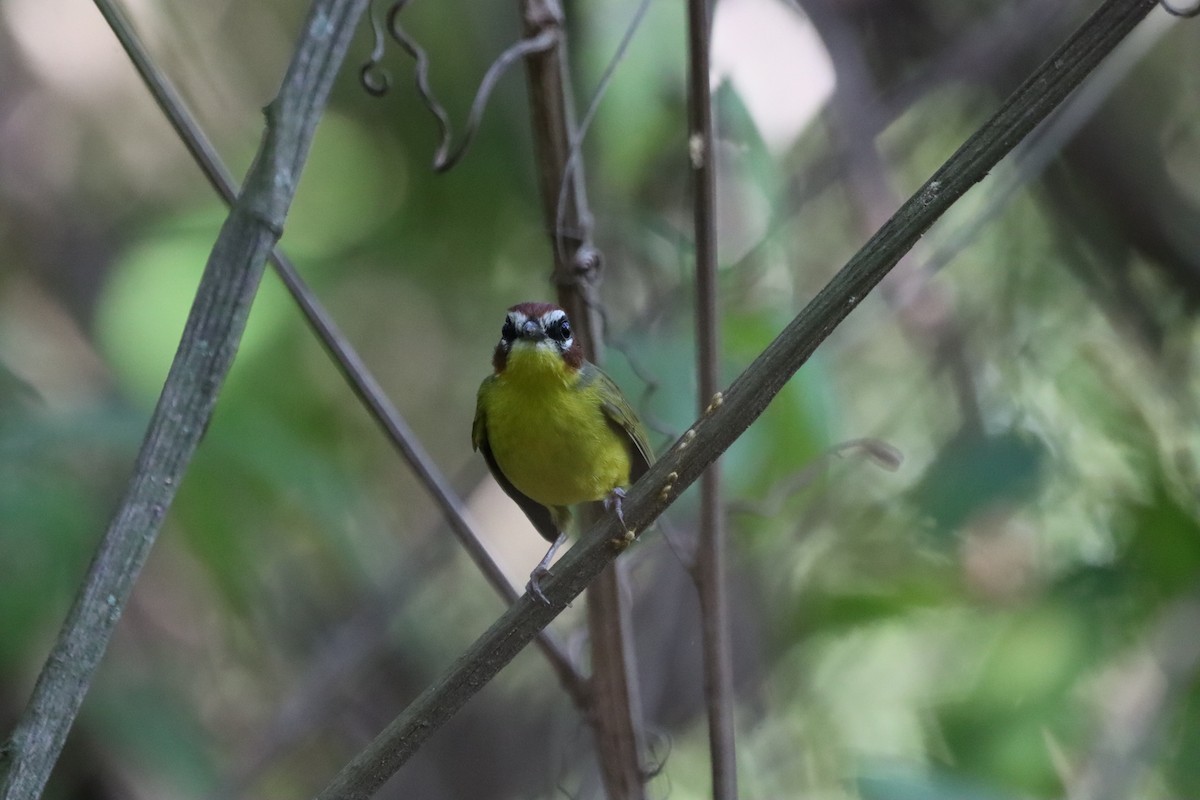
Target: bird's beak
x=531, y=330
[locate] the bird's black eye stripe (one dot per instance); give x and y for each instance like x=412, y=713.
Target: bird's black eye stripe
x=509, y=331
x=559, y=330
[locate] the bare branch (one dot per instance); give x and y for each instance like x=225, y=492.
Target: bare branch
x=708, y=573
x=616, y=703
x=206, y=351
x=569, y=222
x=745, y=400
x=615, y=710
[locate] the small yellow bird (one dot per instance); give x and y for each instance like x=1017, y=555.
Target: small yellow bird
x=553, y=428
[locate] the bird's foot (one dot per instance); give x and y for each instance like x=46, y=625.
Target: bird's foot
x=534, y=587
x=613, y=503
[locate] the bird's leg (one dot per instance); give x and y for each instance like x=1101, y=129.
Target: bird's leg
x=534, y=587
x=613, y=503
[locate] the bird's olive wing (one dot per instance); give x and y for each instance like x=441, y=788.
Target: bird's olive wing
x=537, y=513
x=621, y=414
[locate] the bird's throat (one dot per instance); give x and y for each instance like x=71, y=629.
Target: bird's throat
x=538, y=369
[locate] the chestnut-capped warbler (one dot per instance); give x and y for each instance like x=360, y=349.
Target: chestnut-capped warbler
x=553, y=428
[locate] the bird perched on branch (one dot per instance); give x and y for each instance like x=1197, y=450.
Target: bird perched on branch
x=554, y=429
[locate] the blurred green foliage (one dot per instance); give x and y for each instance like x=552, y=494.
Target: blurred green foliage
x=962, y=627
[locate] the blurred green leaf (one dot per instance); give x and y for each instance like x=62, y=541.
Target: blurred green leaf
x=852, y=609
x=141, y=312
x=737, y=125
x=648, y=80
x=353, y=182
x=1183, y=742
x=52, y=511
x=1164, y=547
x=793, y=430
x=16, y=395
x=895, y=782
x=1023, y=692
x=155, y=731
x=257, y=484
x=972, y=475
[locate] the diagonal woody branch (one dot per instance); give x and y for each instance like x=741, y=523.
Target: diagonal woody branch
x=210, y=340
x=744, y=401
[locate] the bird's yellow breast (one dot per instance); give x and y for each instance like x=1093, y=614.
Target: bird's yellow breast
x=548, y=432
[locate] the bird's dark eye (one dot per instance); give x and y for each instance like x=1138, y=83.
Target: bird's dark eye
x=559, y=330
x=509, y=331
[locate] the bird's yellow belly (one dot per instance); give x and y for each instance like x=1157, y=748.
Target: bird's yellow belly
x=555, y=444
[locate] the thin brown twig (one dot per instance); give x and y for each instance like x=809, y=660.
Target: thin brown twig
x=347, y=359
x=745, y=399
x=580, y=132
x=615, y=712
x=525, y=47
x=373, y=77
x=709, y=570
x=378, y=81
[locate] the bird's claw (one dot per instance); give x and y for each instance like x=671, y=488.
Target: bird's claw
x=534, y=587
x=613, y=503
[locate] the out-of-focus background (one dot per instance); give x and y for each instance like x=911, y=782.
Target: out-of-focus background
x=1009, y=613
